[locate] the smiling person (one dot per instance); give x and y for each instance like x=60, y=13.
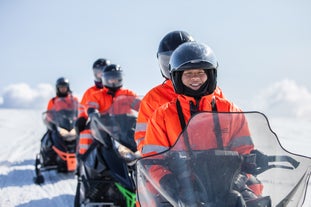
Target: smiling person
x=193, y=70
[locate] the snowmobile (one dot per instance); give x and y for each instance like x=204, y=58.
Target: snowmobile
x=209, y=176
x=106, y=171
x=58, y=145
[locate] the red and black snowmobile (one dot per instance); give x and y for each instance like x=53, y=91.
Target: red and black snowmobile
x=58, y=145
x=106, y=171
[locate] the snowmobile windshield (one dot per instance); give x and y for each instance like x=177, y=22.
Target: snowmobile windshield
x=207, y=159
x=63, y=114
x=118, y=122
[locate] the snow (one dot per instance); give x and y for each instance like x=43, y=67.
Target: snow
x=22, y=129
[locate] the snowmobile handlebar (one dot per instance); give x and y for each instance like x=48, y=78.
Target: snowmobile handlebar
x=257, y=162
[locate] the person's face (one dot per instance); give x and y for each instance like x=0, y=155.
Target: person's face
x=194, y=78
x=63, y=89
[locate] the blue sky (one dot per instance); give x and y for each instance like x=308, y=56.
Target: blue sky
x=263, y=47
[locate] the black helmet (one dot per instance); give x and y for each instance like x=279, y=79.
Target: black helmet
x=113, y=77
x=193, y=55
x=167, y=45
x=98, y=67
x=61, y=82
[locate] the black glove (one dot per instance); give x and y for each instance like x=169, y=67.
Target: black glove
x=169, y=183
x=239, y=184
x=80, y=124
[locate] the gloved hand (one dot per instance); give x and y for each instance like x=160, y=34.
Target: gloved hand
x=239, y=182
x=169, y=183
x=239, y=185
x=80, y=124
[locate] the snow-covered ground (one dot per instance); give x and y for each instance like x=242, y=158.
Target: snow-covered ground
x=21, y=131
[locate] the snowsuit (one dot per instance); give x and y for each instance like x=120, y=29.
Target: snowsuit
x=164, y=128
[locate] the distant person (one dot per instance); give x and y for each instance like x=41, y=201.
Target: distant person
x=83, y=129
x=63, y=100
x=163, y=92
x=64, y=92
x=62, y=87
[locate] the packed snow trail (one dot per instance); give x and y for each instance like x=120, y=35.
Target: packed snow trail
x=21, y=131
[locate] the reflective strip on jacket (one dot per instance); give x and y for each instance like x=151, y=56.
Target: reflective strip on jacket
x=85, y=141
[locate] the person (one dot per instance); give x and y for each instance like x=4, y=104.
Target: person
x=101, y=102
x=163, y=92
x=63, y=90
x=63, y=93
x=193, y=70
x=85, y=136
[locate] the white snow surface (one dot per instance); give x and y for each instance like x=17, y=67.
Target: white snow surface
x=21, y=131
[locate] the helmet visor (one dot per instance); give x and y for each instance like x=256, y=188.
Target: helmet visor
x=164, y=59
x=98, y=72
x=112, y=79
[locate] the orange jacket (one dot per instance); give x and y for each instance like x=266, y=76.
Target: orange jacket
x=156, y=97
x=164, y=125
x=68, y=99
x=85, y=136
x=101, y=100
x=86, y=97
x=59, y=103
x=164, y=128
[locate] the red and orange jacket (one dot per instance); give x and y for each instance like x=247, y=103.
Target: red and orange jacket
x=68, y=99
x=102, y=101
x=156, y=97
x=85, y=136
x=86, y=97
x=164, y=128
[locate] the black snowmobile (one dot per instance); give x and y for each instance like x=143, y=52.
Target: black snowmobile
x=209, y=177
x=106, y=171
x=58, y=145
